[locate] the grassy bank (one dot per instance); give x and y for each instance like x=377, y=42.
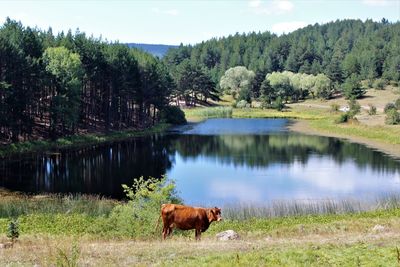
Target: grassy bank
x=100, y=217
x=382, y=133
x=90, y=231
x=197, y=114
x=350, y=239
x=320, y=120
x=14, y=205
x=101, y=226
x=77, y=141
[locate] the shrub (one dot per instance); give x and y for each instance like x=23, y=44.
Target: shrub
x=397, y=103
x=138, y=217
x=335, y=107
x=241, y=104
x=372, y=109
x=278, y=104
x=343, y=117
x=354, y=106
x=380, y=84
x=173, y=115
x=68, y=258
x=392, y=117
x=388, y=107
x=244, y=94
x=13, y=230
x=370, y=83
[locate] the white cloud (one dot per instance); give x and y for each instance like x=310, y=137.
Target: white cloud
x=283, y=5
x=376, y=2
x=286, y=27
x=236, y=191
x=254, y=3
x=170, y=12
x=273, y=7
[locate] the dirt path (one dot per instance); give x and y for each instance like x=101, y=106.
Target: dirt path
x=303, y=126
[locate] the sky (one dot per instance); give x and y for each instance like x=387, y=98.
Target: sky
x=187, y=21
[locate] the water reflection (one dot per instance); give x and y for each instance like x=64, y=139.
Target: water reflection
x=286, y=147
x=253, y=161
x=95, y=170
x=320, y=178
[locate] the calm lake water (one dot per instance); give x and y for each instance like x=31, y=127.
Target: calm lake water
x=216, y=162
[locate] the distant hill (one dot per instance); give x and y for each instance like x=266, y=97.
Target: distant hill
x=158, y=50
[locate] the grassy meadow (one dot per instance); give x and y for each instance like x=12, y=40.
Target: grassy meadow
x=91, y=231
x=79, y=239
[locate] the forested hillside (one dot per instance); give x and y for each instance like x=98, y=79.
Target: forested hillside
x=338, y=49
x=57, y=85
x=51, y=86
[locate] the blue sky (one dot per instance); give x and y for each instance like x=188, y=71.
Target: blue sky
x=189, y=22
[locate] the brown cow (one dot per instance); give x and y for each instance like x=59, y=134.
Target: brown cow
x=186, y=218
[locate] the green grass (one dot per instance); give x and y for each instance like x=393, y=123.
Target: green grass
x=207, y=113
x=76, y=141
x=105, y=238
x=14, y=206
x=383, y=133
x=227, y=112
x=100, y=223
x=307, y=255
x=272, y=113
x=137, y=218
x=301, y=208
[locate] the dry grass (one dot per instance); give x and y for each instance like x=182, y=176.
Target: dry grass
x=349, y=236
x=379, y=98
x=46, y=251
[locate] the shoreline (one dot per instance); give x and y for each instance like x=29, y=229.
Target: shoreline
x=304, y=127
x=77, y=141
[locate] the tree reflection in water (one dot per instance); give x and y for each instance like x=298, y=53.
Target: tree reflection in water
x=253, y=160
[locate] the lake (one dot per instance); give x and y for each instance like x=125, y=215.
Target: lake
x=216, y=162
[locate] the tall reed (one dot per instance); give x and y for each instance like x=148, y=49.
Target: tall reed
x=55, y=203
x=308, y=207
x=214, y=112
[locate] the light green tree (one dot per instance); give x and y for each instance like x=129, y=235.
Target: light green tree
x=280, y=82
x=65, y=70
x=237, y=79
x=323, y=87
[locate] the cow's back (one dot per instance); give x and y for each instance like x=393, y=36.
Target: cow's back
x=184, y=217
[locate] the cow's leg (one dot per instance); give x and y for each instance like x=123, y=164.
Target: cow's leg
x=169, y=231
x=198, y=233
x=164, y=233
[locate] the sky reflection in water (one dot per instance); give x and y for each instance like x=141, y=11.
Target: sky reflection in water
x=217, y=162
x=213, y=179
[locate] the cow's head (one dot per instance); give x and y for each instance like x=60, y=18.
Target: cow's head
x=214, y=214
